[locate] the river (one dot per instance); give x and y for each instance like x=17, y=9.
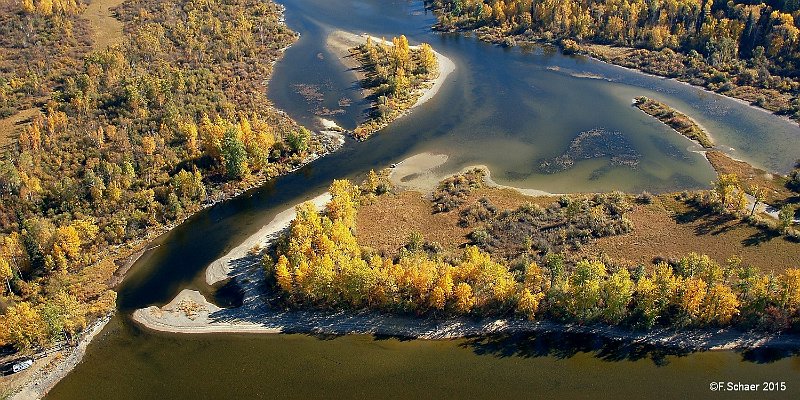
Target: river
x=505, y=108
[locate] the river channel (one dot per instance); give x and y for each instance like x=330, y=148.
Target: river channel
x=509, y=109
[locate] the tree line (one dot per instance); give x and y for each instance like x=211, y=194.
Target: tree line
x=721, y=45
x=319, y=263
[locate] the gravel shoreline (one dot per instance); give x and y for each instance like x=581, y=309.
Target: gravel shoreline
x=47, y=378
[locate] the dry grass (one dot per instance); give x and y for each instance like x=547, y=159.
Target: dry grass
x=667, y=228
x=776, y=191
x=670, y=229
x=10, y=126
x=106, y=29
x=386, y=224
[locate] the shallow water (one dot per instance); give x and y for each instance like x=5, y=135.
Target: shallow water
x=503, y=108
x=512, y=108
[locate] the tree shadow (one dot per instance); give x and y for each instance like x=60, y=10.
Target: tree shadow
x=567, y=345
x=762, y=236
x=768, y=355
x=714, y=224
x=691, y=215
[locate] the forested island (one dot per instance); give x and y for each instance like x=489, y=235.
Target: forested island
x=396, y=76
x=746, y=50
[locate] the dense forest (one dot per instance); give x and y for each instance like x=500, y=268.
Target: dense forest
x=320, y=263
x=127, y=141
x=746, y=49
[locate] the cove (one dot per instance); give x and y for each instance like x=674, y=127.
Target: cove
x=506, y=108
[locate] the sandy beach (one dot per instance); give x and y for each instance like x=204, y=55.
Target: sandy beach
x=223, y=267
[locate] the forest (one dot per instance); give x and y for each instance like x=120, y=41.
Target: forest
x=319, y=263
x=126, y=141
x=745, y=49
x=394, y=74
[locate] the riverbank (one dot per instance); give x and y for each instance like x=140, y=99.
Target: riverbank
x=341, y=44
x=47, y=376
x=254, y=319
x=191, y=313
x=771, y=101
x=222, y=268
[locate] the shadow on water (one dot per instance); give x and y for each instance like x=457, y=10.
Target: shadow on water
x=560, y=345
x=563, y=346
x=768, y=355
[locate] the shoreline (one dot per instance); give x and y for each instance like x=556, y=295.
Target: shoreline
x=263, y=320
x=48, y=376
x=221, y=269
x=191, y=313
x=590, y=54
x=340, y=42
x=702, y=88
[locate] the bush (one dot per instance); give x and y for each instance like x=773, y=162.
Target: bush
x=569, y=46
x=645, y=198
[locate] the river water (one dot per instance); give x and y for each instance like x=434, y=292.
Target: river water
x=505, y=108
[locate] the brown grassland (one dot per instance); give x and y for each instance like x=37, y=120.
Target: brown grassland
x=665, y=229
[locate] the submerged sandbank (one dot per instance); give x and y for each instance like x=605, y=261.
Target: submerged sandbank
x=422, y=172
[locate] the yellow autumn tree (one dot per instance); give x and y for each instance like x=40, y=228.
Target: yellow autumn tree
x=691, y=295
x=6, y=273
x=617, y=294
x=584, y=289
x=66, y=247
x=790, y=289
x=23, y=326
x=528, y=304
x=463, y=298
x=283, y=275
x=343, y=203
x=427, y=59
x=720, y=305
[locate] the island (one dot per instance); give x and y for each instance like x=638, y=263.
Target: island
x=401, y=255
x=396, y=76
